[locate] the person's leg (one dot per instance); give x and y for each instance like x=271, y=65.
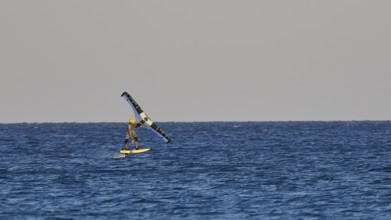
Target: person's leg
x=136, y=142
x=126, y=144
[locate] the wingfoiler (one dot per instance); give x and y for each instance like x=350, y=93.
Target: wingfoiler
x=142, y=117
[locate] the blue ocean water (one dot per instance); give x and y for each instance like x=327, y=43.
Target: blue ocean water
x=223, y=170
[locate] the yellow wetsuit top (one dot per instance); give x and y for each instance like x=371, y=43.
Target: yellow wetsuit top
x=130, y=132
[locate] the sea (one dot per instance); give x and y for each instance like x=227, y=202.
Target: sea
x=211, y=170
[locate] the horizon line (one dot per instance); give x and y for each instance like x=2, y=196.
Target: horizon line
x=219, y=121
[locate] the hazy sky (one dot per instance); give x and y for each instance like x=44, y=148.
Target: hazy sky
x=200, y=60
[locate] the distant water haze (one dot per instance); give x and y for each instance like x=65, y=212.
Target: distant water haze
x=221, y=60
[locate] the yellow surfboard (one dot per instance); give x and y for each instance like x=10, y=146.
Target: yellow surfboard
x=134, y=151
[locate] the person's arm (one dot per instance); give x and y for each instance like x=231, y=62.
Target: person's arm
x=139, y=124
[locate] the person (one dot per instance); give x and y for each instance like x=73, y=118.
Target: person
x=131, y=133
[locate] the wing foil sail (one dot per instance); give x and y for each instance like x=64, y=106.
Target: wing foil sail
x=142, y=117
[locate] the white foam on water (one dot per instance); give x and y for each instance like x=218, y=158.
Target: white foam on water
x=118, y=155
